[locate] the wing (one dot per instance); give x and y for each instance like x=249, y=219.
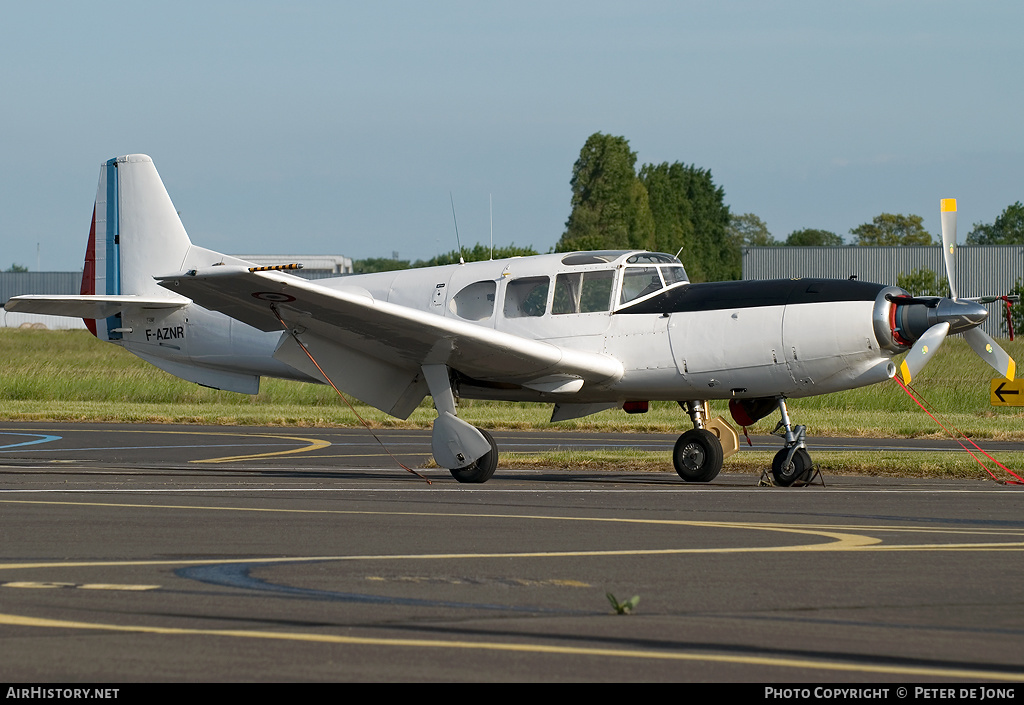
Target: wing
x=363, y=332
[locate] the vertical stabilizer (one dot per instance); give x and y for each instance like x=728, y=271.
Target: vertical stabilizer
x=135, y=235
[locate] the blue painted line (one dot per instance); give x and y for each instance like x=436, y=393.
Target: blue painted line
x=237, y=575
x=40, y=438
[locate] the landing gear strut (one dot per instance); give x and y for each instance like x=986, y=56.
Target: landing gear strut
x=697, y=455
x=792, y=465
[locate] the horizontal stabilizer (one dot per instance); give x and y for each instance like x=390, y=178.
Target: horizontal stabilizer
x=92, y=306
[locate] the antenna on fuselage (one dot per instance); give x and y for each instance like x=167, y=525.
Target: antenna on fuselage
x=457, y=240
x=490, y=209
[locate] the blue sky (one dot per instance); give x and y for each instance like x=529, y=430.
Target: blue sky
x=341, y=128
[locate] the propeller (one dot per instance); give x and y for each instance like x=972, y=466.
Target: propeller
x=923, y=349
x=937, y=318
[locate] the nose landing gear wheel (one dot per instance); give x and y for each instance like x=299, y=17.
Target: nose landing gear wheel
x=796, y=471
x=698, y=456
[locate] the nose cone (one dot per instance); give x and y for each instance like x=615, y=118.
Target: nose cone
x=960, y=315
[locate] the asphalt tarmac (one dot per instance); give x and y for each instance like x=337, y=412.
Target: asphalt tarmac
x=194, y=553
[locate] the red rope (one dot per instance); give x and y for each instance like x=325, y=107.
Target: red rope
x=344, y=398
x=1018, y=481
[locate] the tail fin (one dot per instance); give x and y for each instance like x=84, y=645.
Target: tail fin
x=135, y=235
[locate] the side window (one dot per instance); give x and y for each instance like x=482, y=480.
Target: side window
x=638, y=282
x=475, y=302
x=586, y=292
x=597, y=291
x=526, y=297
x=567, y=294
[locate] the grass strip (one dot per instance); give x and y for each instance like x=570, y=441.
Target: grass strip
x=71, y=376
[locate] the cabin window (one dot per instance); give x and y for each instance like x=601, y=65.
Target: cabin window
x=526, y=297
x=583, y=292
x=638, y=282
x=652, y=258
x=474, y=302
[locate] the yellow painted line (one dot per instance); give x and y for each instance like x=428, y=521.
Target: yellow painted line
x=838, y=537
x=39, y=585
x=113, y=586
x=78, y=586
x=375, y=455
x=314, y=444
x=837, y=540
x=956, y=673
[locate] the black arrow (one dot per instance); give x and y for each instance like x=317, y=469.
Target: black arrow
x=999, y=392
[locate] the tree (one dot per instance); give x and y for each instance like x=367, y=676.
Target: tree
x=671, y=211
x=890, y=229
x=749, y=230
x=921, y=282
x=690, y=214
x=1007, y=230
x=476, y=253
x=610, y=208
x=722, y=259
x=809, y=237
x=17, y=268
x=667, y=207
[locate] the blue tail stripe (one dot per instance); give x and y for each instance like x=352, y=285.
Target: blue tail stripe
x=112, y=245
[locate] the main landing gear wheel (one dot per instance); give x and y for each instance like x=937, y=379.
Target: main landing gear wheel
x=698, y=456
x=482, y=468
x=797, y=470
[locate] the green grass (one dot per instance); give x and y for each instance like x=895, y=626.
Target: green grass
x=69, y=375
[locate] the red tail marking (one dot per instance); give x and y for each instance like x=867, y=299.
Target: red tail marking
x=89, y=270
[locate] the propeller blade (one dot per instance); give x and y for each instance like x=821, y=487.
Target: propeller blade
x=923, y=350
x=948, y=210
x=989, y=351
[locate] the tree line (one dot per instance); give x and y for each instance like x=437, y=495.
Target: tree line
x=476, y=253
x=678, y=208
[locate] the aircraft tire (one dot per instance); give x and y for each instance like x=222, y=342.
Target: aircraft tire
x=697, y=456
x=482, y=468
x=796, y=472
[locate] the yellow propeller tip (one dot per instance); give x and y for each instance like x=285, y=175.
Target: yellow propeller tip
x=905, y=372
x=948, y=205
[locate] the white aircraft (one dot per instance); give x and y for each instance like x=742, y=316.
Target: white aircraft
x=585, y=331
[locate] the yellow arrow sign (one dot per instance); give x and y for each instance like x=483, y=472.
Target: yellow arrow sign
x=1003, y=392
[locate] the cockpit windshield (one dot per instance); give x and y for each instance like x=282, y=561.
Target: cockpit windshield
x=661, y=271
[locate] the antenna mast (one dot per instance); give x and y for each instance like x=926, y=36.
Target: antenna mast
x=490, y=208
x=457, y=240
